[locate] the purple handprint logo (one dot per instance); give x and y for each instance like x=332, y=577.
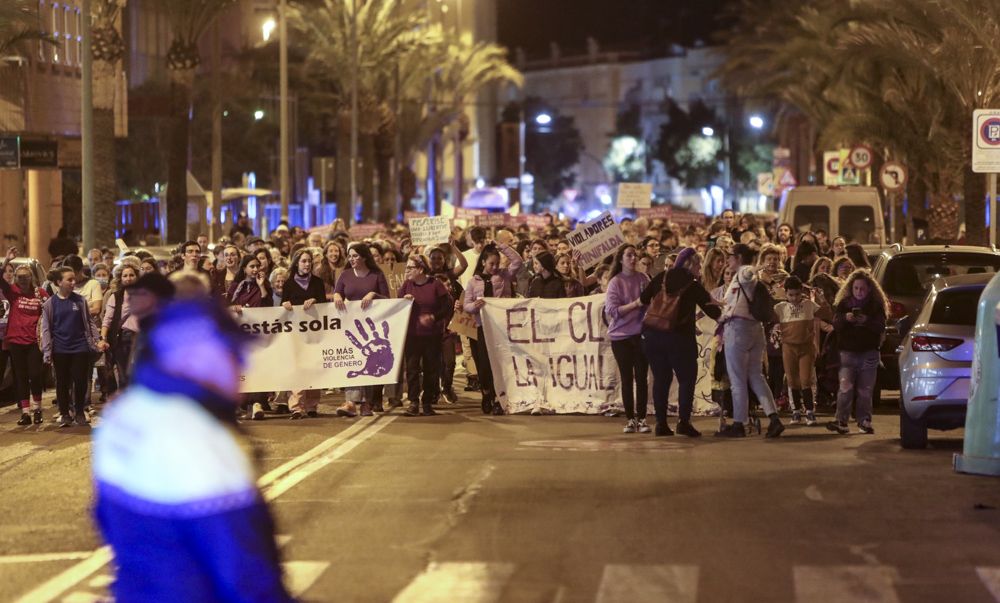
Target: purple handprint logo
x=375, y=347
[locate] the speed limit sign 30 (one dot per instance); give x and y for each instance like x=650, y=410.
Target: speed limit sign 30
x=861, y=157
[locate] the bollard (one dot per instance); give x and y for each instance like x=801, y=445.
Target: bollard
x=981, y=449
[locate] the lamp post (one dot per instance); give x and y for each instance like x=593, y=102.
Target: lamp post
x=286, y=189
x=87, y=133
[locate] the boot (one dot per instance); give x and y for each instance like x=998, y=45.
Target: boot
x=473, y=384
x=366, y=409
x=487, y=405
x=429, y=410
x=497, y=409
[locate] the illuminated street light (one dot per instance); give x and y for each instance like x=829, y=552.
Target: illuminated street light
x=258, y=114
x=543, y=119
x=756, y=122
x=267, y=28
x=708, y=131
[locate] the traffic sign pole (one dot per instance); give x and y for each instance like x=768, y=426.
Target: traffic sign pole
x=991, y=191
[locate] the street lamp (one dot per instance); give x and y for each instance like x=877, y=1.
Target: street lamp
x=708, y=131
x=267, y=28
x=543, y=119
x=756, y=122
x=258, y=114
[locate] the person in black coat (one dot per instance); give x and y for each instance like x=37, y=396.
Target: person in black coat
x=676, y=351
x=547, y=282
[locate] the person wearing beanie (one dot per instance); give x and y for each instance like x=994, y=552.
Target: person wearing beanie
x=547, y=282
x=676, y=350
x=157, y=485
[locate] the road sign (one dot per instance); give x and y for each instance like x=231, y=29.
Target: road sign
x=862, y=156
x=831, y=168
x=787, y=180
x=765, y=183
x=893, y=176
x=10, y=156
x=986, y=141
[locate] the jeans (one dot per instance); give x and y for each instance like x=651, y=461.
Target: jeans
x=669, y=353
x=423, y=368
x=72, y=379
x=633, y=368
x=744, y=341
x=121, y=354
x=857, y=375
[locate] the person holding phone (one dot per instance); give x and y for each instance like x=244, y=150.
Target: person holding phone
x=859, y=323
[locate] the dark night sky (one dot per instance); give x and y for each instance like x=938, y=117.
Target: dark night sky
x=623, y=24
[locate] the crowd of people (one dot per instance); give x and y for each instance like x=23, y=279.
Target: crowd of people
x=797, y=317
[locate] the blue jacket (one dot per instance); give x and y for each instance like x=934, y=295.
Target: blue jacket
x=177, y=498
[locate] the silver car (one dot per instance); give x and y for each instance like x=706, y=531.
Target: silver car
x=935, y=358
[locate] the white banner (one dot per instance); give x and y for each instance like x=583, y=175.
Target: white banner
x=551, y=355
x=323, y=347
x=596, y=239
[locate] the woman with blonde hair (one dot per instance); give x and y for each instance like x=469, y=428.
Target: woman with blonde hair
x=330, y=265
x=859, y=319
x=713, y=267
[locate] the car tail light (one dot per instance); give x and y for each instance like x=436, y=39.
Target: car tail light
x=924, y=343
x=896, y=311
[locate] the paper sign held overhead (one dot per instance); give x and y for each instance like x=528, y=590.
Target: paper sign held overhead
x=430, y=231
x=635, y=194
x=596, y=239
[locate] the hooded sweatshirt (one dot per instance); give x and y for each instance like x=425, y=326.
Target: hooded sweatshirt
x=737, y=302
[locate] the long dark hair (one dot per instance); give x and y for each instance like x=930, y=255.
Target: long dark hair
x=489, y=250
x=857, y=254
x=616, y=268
x=293, y=268
x=241, y=272
x=366, y=255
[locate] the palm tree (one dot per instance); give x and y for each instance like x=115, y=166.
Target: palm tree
x=107, y=48
x=189, y=20
x=18, y=27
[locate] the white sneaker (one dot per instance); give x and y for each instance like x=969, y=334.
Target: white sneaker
x=257, y=413
x=796, y=417
x=631, y=426
x=641, y=426
x=810, y=418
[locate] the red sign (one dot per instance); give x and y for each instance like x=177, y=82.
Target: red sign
x=659, y=211
x=488, y=220
x=466, y=213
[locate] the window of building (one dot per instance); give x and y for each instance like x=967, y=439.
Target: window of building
x=67, y=28
x=43, y=22
x=79, y=37
x=58, y=50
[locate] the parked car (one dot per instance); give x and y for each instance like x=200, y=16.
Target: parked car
x=906, y=275
x=853, y=212
x=935, y=359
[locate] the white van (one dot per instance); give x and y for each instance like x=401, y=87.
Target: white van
x=853, y=212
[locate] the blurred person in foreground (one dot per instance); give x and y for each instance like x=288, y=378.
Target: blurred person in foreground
x=180, y=507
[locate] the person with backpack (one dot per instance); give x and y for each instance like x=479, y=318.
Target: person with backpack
x=668, y=336
x=748, y=305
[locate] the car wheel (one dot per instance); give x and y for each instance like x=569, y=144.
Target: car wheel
x=912, y=432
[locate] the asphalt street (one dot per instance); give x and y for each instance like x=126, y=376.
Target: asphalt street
x=467, y=507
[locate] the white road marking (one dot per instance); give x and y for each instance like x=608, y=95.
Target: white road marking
x=273, y=484
x=83, y=597
x=466, y=582
x=662, y=583
x=57, y=585
x=846, y=584
x=990, y=577
x=300, y=575
x=318, y=461
x=101, y=581
x=43, y=557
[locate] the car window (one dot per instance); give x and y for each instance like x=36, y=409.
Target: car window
x=811, y=217
x=857, y=223
x=956, y=307
x=912, y=274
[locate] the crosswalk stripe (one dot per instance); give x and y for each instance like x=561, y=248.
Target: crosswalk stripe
x=466, y=582
x=300, y=575
x=990, y=577
x=846, y=584
x=662, y=583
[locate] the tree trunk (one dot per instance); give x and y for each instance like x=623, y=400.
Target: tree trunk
x=407, y=187
x=177, y=193
x=342, y=190
x=367, y=177
x=432, y=183
x=942, y=217
x=974, y=194
x=105, y=178
x=916, y=195
x=386, y=201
